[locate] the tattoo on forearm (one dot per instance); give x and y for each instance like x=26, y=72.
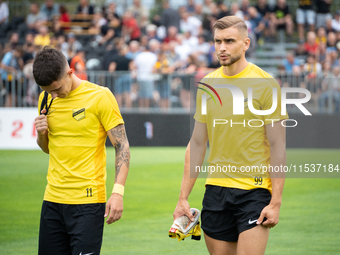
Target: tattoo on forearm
x=122, y=148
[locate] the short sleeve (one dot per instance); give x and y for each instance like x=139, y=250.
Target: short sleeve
x=267, y=102
x=7, y=58
x=108, y=110
x=198, y=115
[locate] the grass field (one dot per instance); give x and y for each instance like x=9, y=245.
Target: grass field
x=309, y=221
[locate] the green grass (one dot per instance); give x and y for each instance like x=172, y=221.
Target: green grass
x=309, y=220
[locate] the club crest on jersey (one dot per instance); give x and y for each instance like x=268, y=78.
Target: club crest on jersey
x=78, y=114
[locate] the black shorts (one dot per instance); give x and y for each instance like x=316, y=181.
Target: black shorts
x=71, y=229
x=228, y=211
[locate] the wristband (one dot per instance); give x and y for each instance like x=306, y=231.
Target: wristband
x=118, y=188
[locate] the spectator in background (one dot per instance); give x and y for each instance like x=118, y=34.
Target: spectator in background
x=151, y=32
x=198, y=12
x=323, y=12
x=123, y=65
x=191, y=41
x=28, y=53
x=13, y=39
x=300, y=51
x=32, y=96
x=172, y=35
x=235, y=10
x=311, y=47
x=257, y=24
x=29, y=38
x=312, y=67
x=322, y=52
x=144, y=63
x=78, y=64
x=50, y=9
x=64, y=15
x=290, y=62
x=331, y=42
x=138, y=11
x=305, y=14
x=73, y=45
x=134, y=50
x=85, y=8
x=169, y=17
x=207, y=7
x=321, y=35
x=263, y=8
x=282, y=19
x=43, y=38
x=190, y=23
x=56, y=31
x=11, y=65
x=244, y=6
x=223, y=9
x=35, y=18
x=330, y=91
x=4, y=13
x=111, y=52
x=130, y=27
x=183, y=50
x=162, y=68
x=201, y=50
x=190, y=7
x=336, y=21
x=332, y=57
x=113, y=20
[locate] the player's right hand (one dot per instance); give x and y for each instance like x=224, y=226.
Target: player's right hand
x=41, y=123
x=183, y=208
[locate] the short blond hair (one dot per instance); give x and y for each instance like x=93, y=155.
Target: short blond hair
x=230, y=21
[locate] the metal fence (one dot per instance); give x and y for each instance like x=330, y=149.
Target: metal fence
x=170, y=93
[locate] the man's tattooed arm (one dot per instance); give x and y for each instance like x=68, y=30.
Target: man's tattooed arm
x=120, y=142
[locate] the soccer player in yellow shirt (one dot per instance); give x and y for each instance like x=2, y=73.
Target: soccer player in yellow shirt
x=239, y=207
x=72, y=129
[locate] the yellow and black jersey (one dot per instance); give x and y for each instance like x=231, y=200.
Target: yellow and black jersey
x=238, y=141
x=77, y=131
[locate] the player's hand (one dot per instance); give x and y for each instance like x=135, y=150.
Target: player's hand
x=271, y=213
x=183, y=208
x=41, y=123
x=114, y=208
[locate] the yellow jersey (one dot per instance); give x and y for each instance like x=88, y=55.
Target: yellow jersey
x=239, y=149
x=77, y=131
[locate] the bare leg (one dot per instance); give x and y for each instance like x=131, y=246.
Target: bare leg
x=217, y=247
x=119, y=99
x=127, y=99
x=253, y=241
x=301, y=31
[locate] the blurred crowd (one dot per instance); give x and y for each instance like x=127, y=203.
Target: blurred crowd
x=154, y=55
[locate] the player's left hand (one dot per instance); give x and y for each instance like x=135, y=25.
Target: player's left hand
x=271, y=213
x=114, y=208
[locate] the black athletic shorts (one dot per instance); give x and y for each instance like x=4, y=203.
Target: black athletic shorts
x=228, y=211
x=71, y=229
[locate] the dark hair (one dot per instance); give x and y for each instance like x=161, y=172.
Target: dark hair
x=230, y=21
x=48, y=66
x=62, y=9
